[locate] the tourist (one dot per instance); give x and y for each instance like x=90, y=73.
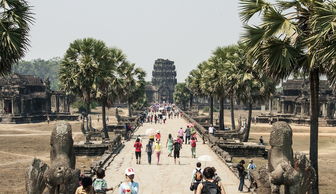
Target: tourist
x=86, y=187
x=196, y=177
x=169, y=145
x=157, y=148
x=138, y=147
x=193, y=147
x=250, y=167
x=211, y=129
x=177, y=146
x=129, y=186
x=261, y=140
x=180, y=133
x=242, y=174
x=156, y=118
x=149, y=150
x=157, y=135
x=209, y=185
x=187, y=135
x=100, y=185
x=164, y=119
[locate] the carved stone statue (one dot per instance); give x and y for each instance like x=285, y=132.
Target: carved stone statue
x=61, y=176
x=293, y=171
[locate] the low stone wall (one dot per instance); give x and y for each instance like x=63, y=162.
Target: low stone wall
x=36, y=118
x=115, y=145
x=243, y=150
x=323, y=122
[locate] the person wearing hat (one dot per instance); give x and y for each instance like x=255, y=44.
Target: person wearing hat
x=129, y=186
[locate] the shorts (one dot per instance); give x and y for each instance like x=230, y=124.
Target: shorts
x=176, y=154
x=137, y=155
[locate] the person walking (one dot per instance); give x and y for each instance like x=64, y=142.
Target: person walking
x=180, y=133
x=129, y=186
x=157, y=148
x=138, y=147
x=193, y=147
x=100, y=184
x=187, y=135
x=169, y=145
x=250, y=167
x=209, y=185
x=177, y=146
x=242, y=174
x=196, y=177
x=149, y=150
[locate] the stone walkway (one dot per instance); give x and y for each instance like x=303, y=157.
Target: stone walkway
x=166, y=178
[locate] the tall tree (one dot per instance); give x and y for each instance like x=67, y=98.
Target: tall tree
x=80, y=65
x=107, y=83
x=181, y=95
x=15, y=18
x=287, y=41
x=134, y=80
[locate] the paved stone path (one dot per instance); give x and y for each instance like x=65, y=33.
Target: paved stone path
x=166, y=178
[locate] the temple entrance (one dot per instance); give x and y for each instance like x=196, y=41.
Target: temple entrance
x=8, y=106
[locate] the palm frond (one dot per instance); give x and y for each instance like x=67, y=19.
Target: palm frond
x=248, y=8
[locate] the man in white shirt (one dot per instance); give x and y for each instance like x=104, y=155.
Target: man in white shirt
x=211, y=129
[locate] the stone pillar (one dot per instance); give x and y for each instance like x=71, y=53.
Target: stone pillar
x=324, y=109
x=31, y=106
x=283, y=107
x=57, y=104
x=279, y=106
x=270, y=107
x=302, y=109
x=12, y=106
x=22, y=106
x=2, y=106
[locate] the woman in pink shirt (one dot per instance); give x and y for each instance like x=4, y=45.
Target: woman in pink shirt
x=180, y=133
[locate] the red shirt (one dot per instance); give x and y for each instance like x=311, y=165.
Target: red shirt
x=138, y=146
x=158, y=136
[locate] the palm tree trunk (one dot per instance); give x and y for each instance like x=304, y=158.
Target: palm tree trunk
x=191, y=100
x=221, y=113
x=248, y=127
x=232, y=113
x=211, y=110
x=104, y=119
x=86, y=98
x=129, y=108
x=314, y=111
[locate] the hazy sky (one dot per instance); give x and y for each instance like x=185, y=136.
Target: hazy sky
x=185, y=31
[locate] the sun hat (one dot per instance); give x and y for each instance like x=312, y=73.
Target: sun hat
x=129, y=171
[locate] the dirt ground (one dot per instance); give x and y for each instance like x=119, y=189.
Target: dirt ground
x=20, y=143
x=301, y=135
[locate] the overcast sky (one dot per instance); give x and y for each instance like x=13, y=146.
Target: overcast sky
x=185, y=31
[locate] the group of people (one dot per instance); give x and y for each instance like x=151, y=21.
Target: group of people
x=245, y=173
x=173, y=145
x=206, y=181
x=99, y=184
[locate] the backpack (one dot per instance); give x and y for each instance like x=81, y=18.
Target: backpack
x=149, y=148
x=210, y=188
x=198, y=175
x=193, y=143
x=99, y=186
x=177, y=146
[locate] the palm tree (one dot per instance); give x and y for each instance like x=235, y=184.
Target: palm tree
x=181, y=95
x=134, y=80
x=287, y=41
x=79, y=67
x=107, y=81
x=15, y=17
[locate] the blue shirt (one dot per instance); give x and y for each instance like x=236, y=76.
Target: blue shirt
x=129, y=188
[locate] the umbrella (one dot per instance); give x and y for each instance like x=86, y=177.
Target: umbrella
x=150, y=132
x=205, y=158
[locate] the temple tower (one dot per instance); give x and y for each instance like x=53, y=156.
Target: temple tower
x=164, y=80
